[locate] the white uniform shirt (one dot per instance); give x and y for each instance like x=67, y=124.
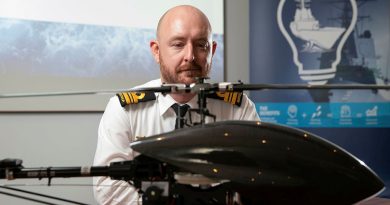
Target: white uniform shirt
x=120, y=126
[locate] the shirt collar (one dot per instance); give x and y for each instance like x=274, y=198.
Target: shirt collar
x=166, y=101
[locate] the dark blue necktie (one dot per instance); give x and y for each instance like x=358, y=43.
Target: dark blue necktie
x=180, y=111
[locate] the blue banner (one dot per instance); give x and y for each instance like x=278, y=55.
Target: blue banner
x=326, y=42
x=361, y=115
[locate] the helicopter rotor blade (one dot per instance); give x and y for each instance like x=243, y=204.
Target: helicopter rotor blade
x=199, y=87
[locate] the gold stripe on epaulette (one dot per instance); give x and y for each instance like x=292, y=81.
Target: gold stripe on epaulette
x=234, y=97
x=131, y=97
x=230, y=97
x=127, y=98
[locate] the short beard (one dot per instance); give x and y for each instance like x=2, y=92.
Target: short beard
x=166, y=74
x=171, y=76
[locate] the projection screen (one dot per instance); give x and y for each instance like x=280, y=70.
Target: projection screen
x=71, y=45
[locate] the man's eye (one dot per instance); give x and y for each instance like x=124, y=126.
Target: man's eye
x=178, y=45
x=203, y=45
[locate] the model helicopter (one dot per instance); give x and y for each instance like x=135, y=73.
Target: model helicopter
x=230, y=162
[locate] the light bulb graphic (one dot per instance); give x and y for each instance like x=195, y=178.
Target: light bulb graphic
x=316, y=39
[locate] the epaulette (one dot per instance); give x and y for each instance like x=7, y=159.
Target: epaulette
x=127, y=98
x=233, y=98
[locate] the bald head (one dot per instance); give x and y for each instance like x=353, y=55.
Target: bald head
x=180, y=12
x=184, y=47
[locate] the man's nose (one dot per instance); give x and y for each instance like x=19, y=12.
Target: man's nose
x=189, y=55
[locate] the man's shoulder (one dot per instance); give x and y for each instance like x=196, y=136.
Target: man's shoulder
x=233, y=98
x=130, y=98
x=152, y=83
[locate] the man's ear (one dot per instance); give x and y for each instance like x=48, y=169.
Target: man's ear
x=155, y=50
x=214, y=47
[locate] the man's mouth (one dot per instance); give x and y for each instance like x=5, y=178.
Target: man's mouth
x=191, y=69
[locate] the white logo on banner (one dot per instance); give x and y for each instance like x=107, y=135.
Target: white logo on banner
x=317, y=39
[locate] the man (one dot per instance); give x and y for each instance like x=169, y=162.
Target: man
x=183, y=49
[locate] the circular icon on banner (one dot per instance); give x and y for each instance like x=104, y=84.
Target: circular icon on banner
x=292, y=111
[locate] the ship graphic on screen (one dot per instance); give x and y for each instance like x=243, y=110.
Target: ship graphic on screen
x=307, y=28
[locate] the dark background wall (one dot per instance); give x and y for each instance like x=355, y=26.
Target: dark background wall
x=271, y=62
